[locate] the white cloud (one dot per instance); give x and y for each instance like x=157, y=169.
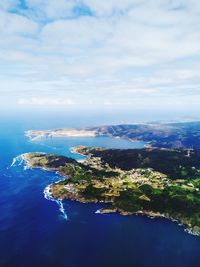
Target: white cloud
x=111, y=6
x=127, y=49
x=41, y=101
x=50, y=9
x=8, y=4
x=16, y=24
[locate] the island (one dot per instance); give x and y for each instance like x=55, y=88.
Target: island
x=156, y=134
x=151, y=181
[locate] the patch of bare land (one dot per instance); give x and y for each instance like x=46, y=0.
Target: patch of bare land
x=39, y=134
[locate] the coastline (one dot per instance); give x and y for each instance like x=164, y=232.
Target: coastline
x=110, y=210
x=75, y=197
x=39, y=134
x=150, y=214
x=34, y=135
x=48, y=196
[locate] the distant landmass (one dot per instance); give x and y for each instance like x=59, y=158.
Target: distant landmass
x=161, y=135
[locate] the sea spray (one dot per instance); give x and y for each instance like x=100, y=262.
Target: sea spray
x=47, y=191
x=19, y=161
x=48, y=196
x=62, y=210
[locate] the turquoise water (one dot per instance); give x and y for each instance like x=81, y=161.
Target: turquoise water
x=33, y=231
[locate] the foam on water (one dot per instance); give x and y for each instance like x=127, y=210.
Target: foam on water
x=48, y=196
x=19, y=161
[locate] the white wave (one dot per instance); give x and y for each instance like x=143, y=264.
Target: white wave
x=16, y=161
x=19, y=161
x=98, y=211
x=62, y=210
x=48, y=196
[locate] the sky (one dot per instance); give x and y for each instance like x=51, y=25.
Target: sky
x=95, y=54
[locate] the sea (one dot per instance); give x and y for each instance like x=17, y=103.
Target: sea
x=38, y=232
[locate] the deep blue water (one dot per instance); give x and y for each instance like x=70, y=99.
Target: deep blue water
x=33, y=232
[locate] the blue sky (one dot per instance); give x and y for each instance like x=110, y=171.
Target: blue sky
x=115, y=54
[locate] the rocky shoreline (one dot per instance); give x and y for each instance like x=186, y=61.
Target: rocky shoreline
x=152, y=215
x=110, y=210
x=67, y=189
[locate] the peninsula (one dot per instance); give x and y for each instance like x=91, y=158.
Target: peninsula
x=152, y=182
x=157, y=134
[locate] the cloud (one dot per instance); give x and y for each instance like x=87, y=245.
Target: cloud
x=35, y=101
x=50, y=10
x=16, y=24
x=88, y=50
x=8, y=4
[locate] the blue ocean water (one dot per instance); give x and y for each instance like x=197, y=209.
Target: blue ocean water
x=33, y=232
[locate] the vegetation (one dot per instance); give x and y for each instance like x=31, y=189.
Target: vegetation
x=156, y=181
x=162, y=135
x=177, y=164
